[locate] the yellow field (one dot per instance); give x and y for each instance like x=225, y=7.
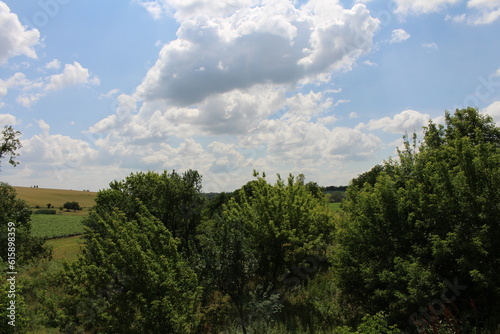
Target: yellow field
x=56, y=197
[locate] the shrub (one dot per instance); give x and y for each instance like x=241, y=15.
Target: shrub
x=45, y=212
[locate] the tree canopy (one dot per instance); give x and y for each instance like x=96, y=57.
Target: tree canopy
x=430, y=217
x=130, y=277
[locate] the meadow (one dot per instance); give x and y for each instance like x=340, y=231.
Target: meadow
x=56, y=226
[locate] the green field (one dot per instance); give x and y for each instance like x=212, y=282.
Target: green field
x=56, y=226
x=65, y=248
x=334, y=206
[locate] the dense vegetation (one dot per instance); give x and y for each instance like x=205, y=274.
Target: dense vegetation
x=412, y=249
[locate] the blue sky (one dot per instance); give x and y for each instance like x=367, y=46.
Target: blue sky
x=100, y=89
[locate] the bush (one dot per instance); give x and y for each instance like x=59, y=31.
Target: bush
x=45, y=212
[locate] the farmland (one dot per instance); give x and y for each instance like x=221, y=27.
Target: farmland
x=56, y=226
x=56, y=197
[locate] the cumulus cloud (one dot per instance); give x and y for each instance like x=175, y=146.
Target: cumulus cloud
x=73, y=74
x=18, y=79
x=54, y=64
x=300, y=136
x=398, y=36
x=296, y=141
x=494, y=111
x=56, y=151
x=271, y=43
x=406, y=121
x=7, y=119
x=479, y=12
x=15, y=39
x=484, y=11
x=186, y=9
x=406, y=7
x=33, y=90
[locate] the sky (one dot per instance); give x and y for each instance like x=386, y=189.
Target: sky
x=326, y=88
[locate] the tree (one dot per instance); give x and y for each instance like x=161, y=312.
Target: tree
x=72, y=206
x=130, y=277
x=20, y=248
x=174, y=199
x=17, y=211
x=9, y=144
x=428, y=222
x=258, y=235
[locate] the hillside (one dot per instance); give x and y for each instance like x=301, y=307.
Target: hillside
x=56, y=197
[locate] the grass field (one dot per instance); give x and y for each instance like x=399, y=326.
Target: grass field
x=56, y=226
x=66, y=248
x=334, y=206
x=56, y=197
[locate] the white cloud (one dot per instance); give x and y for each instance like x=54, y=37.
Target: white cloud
x=273, y=43
x=406, y=7
x=33, y=90
x=15, y=39
x=73, y=74
x=110, y=93
x=398, y=36
x=479, y=12
x=494, y=111
x=187, y=9
x=27, y=100
x=18, y=79
x=53, y=65
x=55, y=151
x=407, y=121
x=486, y=11
x=7, y=119
x=431, y=45
x=293, y=141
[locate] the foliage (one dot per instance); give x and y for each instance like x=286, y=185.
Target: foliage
x=45, y=212
x=130, y=278
x=17, y=211
x=174, y=199
x=9, y=144
x=430, y=220
x=376, y=324
x=20, y=316
x=257, y=235
x=72, y=206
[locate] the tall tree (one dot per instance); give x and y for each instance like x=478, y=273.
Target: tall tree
x=259, y=235
x=130, y=277
x=174, y=199
x=429, y=221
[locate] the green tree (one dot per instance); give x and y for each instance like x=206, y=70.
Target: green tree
x=10, y=144
x=174, y=199
x=15, y=210
x=429, y=218
x=130, y=277
x=229, y=262
x=259, y=234
x=72, y=206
